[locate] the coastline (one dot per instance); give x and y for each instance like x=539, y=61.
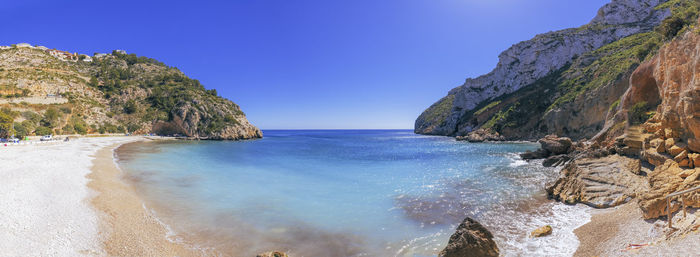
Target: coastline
x=127, y=227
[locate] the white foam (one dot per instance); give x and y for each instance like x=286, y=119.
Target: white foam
x=514, y=240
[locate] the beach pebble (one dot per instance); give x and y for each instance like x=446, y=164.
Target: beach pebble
x=542, y=231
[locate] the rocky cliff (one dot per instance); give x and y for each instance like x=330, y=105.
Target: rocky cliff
x=541, y=62
x=51, y=91
x=652, y=139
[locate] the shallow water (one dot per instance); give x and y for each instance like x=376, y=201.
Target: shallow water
x=347, y=193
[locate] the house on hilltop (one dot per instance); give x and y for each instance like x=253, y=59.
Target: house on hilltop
x=63, y=55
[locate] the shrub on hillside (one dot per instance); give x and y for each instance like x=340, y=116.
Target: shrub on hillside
x=639, y=113
x=41, y=131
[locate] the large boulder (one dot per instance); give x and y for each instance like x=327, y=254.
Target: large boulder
x=556, y=145
x=599, y=182
x=470, y=239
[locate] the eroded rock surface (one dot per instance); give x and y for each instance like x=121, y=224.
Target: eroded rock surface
x=599, y=182
x=665, y=180
x=470, y=239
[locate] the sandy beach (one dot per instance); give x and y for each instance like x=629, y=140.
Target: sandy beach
x=66, y=198
x=46, y=203
x=126, y=227
x=611, y=231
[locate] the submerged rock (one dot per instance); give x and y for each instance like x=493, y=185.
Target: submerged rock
x=599, y=182
x=470, y=239
x=542, y=231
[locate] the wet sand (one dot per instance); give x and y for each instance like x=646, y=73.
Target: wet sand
x=126, y=227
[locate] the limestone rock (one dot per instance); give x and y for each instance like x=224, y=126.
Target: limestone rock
x=556, y=145
x=695, y=159
x=653, y=157
x=599, y=182
x=481, y=135
x=676, y=72
x=537, y=154
x=556, y=160
x=470, y=239
x=542, y=231
x=658, y=144
x=681, y=156
x=528, y=61
x=663, y=181
x=675, y=150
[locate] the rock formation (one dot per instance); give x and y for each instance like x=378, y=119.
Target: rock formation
x=527, y=62
x=470, y=239
x=481, y=135
x=599, y=182
x=661, y=115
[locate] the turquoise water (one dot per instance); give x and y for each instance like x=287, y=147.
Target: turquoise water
x=337, y=192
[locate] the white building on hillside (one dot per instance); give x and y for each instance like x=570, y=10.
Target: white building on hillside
x=42, y=48
x=86, y=58
x=25, y=45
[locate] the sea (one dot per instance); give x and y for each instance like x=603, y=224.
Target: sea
x=347, y=193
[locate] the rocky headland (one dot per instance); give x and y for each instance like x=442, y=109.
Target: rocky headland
x=625, y=131
x=49, y=91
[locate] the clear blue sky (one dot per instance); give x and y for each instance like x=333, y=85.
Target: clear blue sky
x=304, y=63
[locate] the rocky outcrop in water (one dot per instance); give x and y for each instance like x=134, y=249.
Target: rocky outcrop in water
x=527, y=62
x=481, y=135
x=470, y=239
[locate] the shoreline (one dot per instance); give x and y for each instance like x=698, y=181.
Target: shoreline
x=612, y=231
x=126, y=226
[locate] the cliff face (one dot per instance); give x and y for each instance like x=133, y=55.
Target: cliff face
x=111, y=93
x=658, y=123
x=530, y=61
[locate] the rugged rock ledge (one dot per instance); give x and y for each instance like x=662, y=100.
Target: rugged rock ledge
x=604, y=182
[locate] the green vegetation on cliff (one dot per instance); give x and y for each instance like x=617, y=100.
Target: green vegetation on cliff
x=521, y=114
x=113, y=93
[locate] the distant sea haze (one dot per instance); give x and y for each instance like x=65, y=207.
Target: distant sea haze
x=346, y=193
